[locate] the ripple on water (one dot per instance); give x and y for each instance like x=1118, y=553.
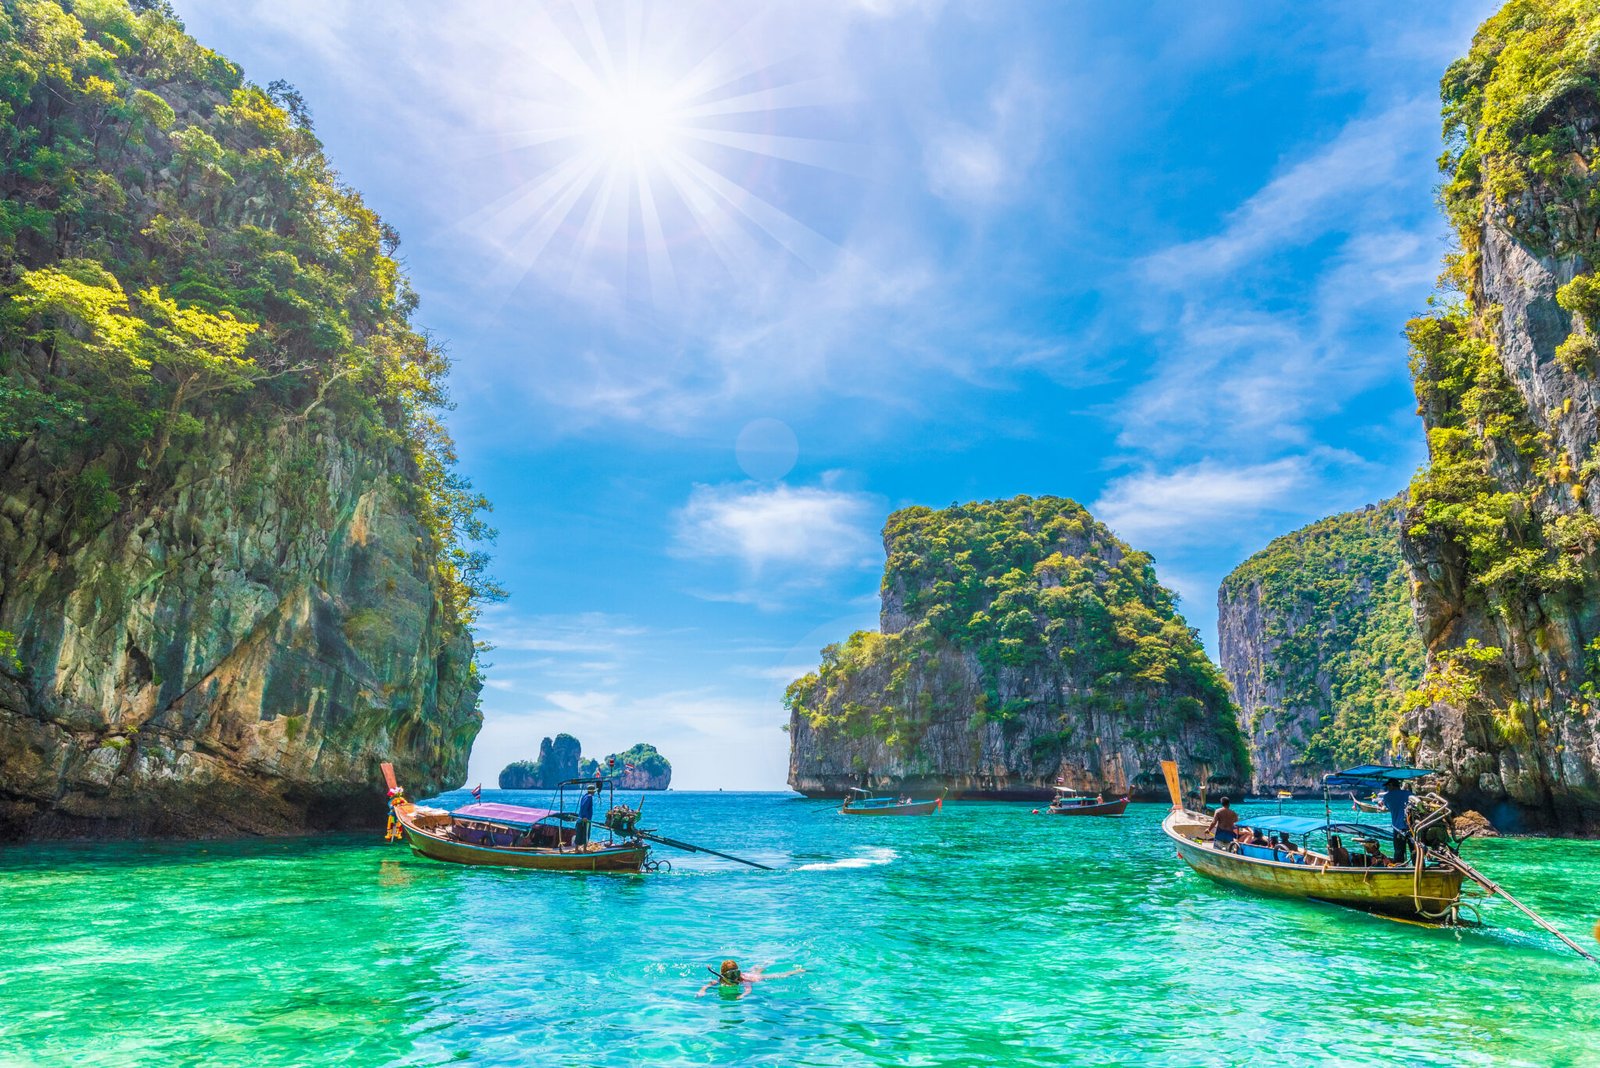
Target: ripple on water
x=982, y=934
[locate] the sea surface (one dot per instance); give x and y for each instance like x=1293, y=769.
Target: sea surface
x=982, y=935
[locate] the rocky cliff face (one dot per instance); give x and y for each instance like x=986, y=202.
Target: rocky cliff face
x=235, y=563
x=560, y=759
x=1318, y=640
x=1502, y=536
x=236, y=657
x=1020, y=642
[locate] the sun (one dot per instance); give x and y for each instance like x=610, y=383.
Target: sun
x=651, y=137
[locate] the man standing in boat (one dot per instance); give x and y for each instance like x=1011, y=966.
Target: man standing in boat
x=1395, y=798
x=1222, y=824
x=585, y=814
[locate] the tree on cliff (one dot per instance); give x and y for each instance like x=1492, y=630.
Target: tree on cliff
x=177, y=249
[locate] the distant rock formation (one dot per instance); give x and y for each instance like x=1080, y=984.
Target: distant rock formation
x=1318, y=639
x=558, y=762
x=1020, y=642
x=561, y=759
x=639, y=768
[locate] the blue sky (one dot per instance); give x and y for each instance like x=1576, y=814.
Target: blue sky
x=725, y=284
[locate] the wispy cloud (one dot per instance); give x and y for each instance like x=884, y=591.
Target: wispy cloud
x=1152, y=506
x=766, y=527
x=982, y=162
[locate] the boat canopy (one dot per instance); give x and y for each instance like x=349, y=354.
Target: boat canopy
x=489, y=810
x=1374, y=775
x=1312, y=824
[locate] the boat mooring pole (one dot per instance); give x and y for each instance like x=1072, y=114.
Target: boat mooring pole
x=687, y=847
x=1495, y=888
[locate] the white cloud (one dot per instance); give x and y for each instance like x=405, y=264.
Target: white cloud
x=1153, y=506
x=766, y=527
x=982, y=163
x=1312, y=197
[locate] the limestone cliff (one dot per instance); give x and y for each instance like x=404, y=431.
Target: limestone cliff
x=1502, y=536
x=641, y=767
x=1020, y=642
x=1319, y=643
x=235, y=564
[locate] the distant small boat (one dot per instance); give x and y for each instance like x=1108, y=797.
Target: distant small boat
x=1371, y=804
x=1069, y=802
x=859, y=804
x=1285, y=795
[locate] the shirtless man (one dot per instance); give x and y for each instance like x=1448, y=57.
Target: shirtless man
x=1222, y=824
x=730, y=976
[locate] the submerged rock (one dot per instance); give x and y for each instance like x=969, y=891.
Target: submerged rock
x=1020, y=642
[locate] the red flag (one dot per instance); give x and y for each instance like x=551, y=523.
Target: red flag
x=477, y=792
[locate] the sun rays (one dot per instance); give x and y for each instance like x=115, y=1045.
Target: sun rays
x=652, y=146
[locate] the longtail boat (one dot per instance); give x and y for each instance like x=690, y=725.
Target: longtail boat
x=858, y=803
x=1070, y=802
x=514, y=836
x=1371, y=804
x=1427, y=889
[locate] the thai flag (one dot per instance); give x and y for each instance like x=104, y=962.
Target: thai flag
x=627, y=765
x=477, y=792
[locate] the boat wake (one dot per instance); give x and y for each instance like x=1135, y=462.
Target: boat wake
x=871, y=858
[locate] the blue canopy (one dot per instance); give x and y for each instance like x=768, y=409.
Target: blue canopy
x=1373, y=775
x=1287, y=824
x=1310, y=824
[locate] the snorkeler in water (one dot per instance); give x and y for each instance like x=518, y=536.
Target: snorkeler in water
x=730, y=975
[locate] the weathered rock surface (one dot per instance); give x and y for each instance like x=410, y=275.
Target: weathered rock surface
x=1502, y=538
x=235, y=656
x=1318, y=640
x=640, y=768
x=1021, y=642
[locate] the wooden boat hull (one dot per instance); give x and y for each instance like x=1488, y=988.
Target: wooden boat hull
x=625, y=858
x=1392, y=891
x=916, y=808
x=1109, y=808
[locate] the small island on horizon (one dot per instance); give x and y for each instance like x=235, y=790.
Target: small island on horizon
x=641, y=767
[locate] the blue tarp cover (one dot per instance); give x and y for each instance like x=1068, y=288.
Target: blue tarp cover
x=1288, y=824
x=1310, y=824
x=1374, y=774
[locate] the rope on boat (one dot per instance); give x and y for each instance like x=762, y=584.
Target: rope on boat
x=1493, y=887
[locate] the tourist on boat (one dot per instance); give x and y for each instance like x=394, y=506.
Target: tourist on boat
x=1395, y=798
x=1338, y=855
x=730, y=975
x=585, y=814
x=1223, y=823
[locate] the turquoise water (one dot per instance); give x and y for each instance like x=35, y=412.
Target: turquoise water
x=981, y=935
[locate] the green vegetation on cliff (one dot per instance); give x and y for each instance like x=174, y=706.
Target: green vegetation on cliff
x=647, y=761
x=175, y=250
x=1339, y=641
x=1504, y=498
x=1061, y=618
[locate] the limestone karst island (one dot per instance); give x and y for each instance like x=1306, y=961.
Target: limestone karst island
x=1095, y=512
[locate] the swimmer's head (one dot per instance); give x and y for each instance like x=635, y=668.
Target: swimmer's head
x=730, y=972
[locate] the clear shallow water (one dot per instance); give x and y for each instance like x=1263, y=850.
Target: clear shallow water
x=983, y=934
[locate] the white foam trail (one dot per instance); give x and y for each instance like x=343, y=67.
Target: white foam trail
x=873, y=858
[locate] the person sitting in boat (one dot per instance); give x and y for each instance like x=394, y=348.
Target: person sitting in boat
x=1222, y=825
x=730, y=975
x=585, y=814
x=905, y=799
x=1372, y=854
x=1338, y=855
